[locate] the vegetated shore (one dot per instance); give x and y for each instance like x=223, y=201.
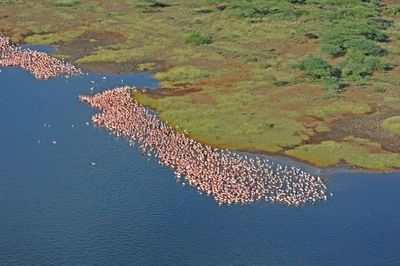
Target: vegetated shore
x=238, y=89
x=366, y=126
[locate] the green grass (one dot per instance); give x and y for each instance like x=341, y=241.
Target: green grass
x=329, y=153
x=339, y=107
x=181, y=75
x=48, y=39
x=66, y=4
x=392, y=124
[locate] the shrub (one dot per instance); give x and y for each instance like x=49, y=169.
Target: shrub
x=65, y=4
x=351, y=70
x=373, y=64
x=150, y=4
x=355, y=56
x=316, y=68
x=271, y=79
x=198, y=39
x=198, y=22
x=368, y=47
x=250, y=59
x=347, y=34
x=331, y=49
x=379, y=90
x=302, y=12
x=269, y=125
x=359, y=12
x=243, y=10
x=215, y=2
x=264, y=65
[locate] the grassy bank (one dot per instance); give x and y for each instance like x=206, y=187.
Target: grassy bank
x=272, y=76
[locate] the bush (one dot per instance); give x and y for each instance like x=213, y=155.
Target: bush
x=66, y=4
x=347, y=34
x=250, y=59
x=150, y=4
x=331, y=49
x=350, y=70
x=198, y=39
x=359, y=12
x=317, y=69
x=243, y=10
x=379, y=90
x=367, y=47
x=373, y=64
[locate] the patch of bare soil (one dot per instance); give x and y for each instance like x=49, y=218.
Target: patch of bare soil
x=91, y=40
x=165, y=92
x=364, y=126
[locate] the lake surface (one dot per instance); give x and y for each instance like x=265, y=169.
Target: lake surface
x=58, y=209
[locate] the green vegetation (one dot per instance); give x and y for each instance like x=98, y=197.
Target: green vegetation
x=353, y=151
x=392, y=124
x=197, y=39
x=66, y=4
x=316, y=69
x=266, y=75
x=182, y=75
x=149, y=5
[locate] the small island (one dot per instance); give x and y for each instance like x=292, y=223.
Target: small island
x=313, y=80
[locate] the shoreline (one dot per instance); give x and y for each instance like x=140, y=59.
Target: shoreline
x=112, y=68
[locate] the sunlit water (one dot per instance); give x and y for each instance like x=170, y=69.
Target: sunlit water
x=56, y=208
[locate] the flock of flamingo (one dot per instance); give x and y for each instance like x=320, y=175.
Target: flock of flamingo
x=228, y=176
x=232, y=178
x=40, y=64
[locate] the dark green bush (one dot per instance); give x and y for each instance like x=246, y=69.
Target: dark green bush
x=367, y=47
x=241, y=9
x=302, y=12
x=198, y=22
x=359, y=12
x=372, y=64
x=198, y=39
x=353, y=71
x=150, y=4
x=379, y=90
x=331, y=49
x=250, y=59
x=316, y=68
x=66, y=4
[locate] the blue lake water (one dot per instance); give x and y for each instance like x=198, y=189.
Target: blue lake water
x=58, y=209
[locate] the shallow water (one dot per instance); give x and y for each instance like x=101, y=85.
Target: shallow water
x=56, y=208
